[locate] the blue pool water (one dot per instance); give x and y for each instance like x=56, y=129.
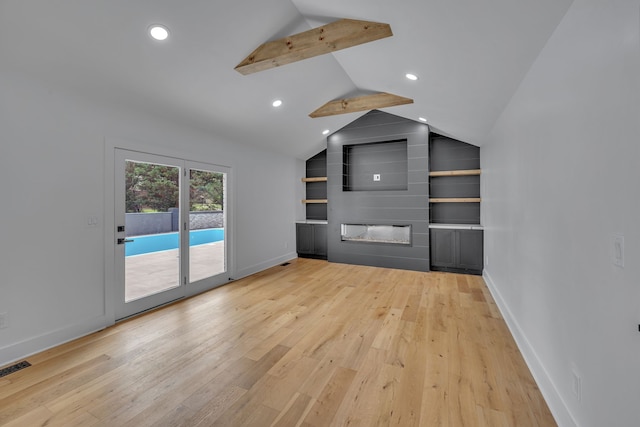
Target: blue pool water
x=166, y=241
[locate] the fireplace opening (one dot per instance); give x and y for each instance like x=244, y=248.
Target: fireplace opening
x=372, y=233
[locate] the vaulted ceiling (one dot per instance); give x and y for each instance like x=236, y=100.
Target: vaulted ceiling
x=470, y=57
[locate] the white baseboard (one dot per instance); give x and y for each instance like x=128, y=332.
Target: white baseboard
x=20, y=350
x=30, y=346
x=264, y=265
x=548, y=389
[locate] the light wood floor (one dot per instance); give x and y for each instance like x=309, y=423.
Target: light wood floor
x=309, y=344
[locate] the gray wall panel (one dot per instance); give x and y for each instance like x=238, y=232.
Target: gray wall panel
x=316, y=211
x=455, y=213
x=407, y=202
x=417, y=176
x=417, y=264
x=388, y=215
x=317, y=165
x=410, y=206
x=450, y=154
x=455, y=186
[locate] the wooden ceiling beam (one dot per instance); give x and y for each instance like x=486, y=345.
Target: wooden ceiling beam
x=329, y=38
x=360, y=103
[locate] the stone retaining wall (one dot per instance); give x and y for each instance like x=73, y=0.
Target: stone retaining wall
x=138, y=224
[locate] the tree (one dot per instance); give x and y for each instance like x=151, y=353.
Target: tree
x=206, y=190
x=151, y=187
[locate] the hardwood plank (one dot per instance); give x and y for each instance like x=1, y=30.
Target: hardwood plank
x=294, y=412
x=39, y=415
x=210, y=401
x=288, y=385
x=360, y=103
x=328, y=38
x=325, y=406
x=312, y=344
x=407, y=404
x=260, y=368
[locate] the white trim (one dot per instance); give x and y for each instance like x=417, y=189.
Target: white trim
x=545, y=383
x=30, y=346
x=109, y=226
x=264, y=265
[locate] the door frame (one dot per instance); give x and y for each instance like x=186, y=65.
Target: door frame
x=110, y=277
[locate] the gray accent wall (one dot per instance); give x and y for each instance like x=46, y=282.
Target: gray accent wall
x=380, y=206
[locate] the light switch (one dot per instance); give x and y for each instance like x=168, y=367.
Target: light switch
x=376, y=177
x=618, y=250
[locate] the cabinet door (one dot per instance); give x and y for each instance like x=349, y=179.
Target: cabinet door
x=320, y=239
x=304, y=239
x=470, y=249
x=443, y=247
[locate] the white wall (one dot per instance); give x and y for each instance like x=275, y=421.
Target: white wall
x=561, y=174
x=52, y=167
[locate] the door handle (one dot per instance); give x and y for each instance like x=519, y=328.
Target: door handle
x=122, y=240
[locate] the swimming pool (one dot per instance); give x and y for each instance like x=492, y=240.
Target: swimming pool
x=165, y=241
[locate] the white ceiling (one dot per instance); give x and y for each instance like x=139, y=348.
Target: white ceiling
x=470, y=57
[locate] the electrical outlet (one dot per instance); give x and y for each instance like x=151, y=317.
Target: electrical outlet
x=4, y=320
x=376, y=177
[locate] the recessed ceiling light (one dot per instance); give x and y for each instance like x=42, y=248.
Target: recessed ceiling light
x=325, y=132
x=277, y=103
x=159, y=32
x=422, y=119
x=411, y=76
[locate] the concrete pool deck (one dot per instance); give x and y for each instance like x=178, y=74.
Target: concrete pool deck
x=155, y=272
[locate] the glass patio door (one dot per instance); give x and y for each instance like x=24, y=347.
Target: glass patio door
x=207, y=222
x=148, y=233
x=171, y=223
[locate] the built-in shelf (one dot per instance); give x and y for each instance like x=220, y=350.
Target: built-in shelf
x=456, y=200
x=465, y=172
x=305, y=201
x=317, y=179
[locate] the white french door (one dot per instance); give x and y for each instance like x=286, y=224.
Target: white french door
x=170, y=229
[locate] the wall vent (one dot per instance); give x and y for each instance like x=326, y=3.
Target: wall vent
x=14, y=368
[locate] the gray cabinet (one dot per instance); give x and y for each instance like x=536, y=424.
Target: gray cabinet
x=469, y=250
x=454, y=250
x=311, y=240
x=443, y=248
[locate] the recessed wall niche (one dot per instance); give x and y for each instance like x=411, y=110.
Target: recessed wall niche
x=377, y=166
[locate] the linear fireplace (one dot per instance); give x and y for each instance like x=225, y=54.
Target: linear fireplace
x=370, y=233
x=378, y=211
